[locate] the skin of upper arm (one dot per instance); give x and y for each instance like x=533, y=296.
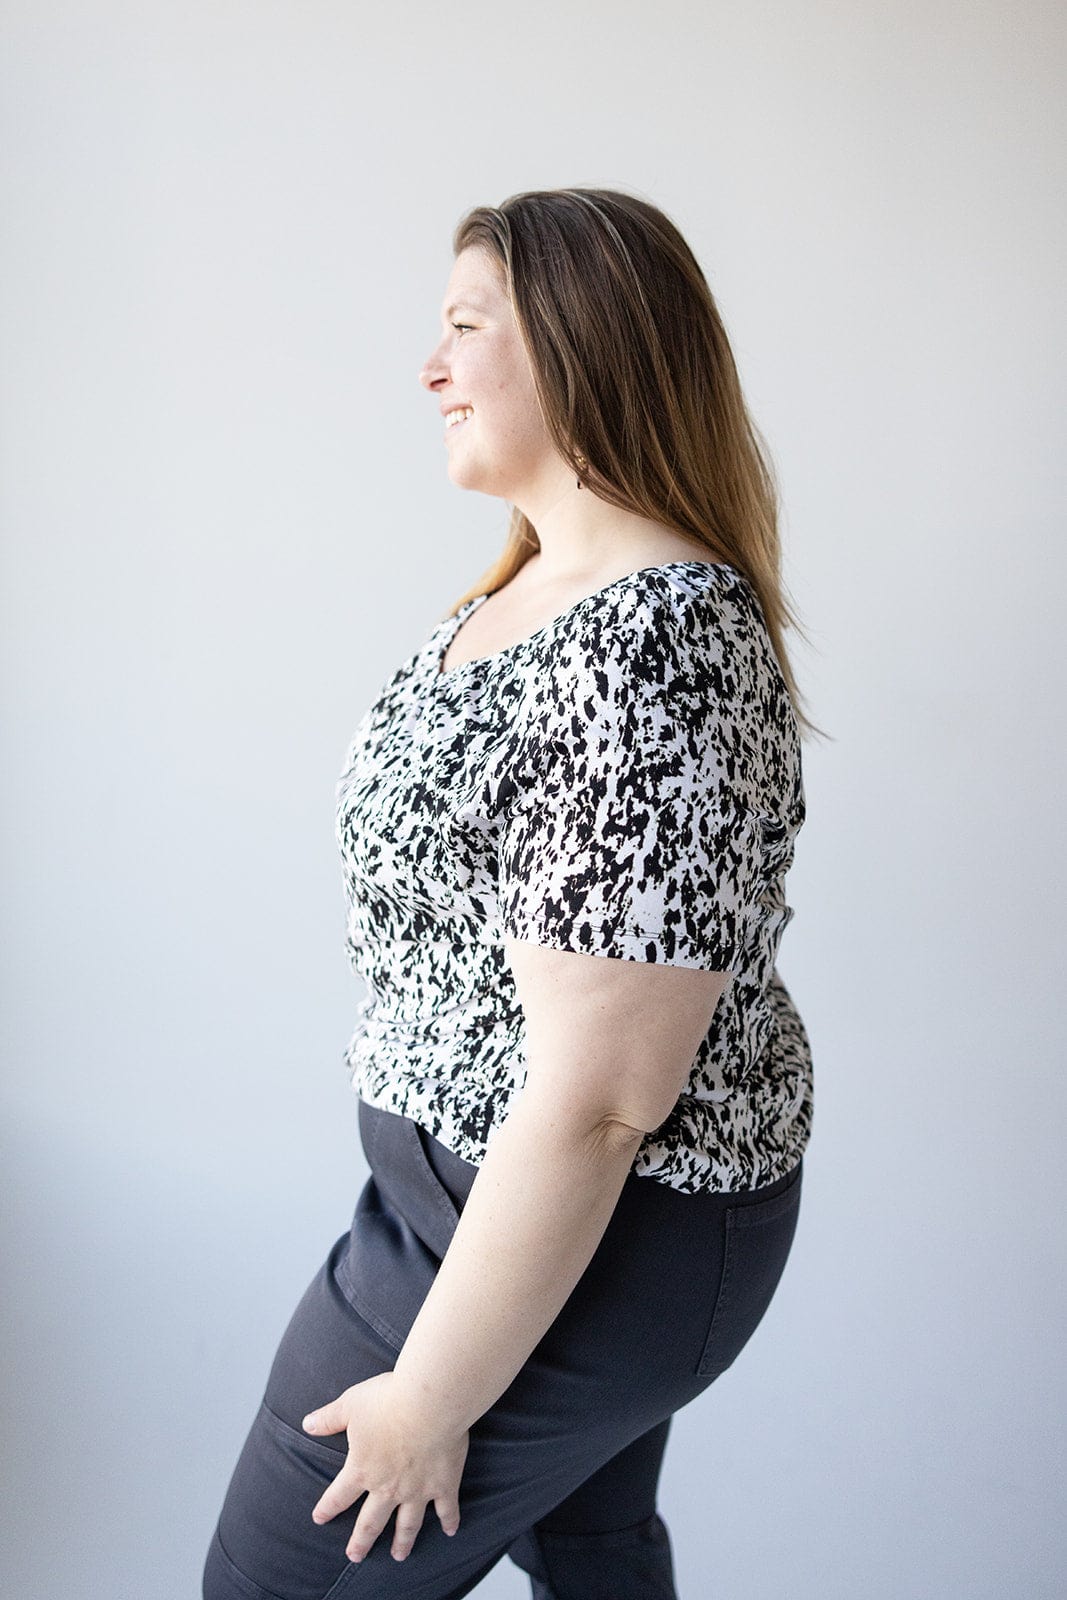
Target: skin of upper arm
x=610, y=1043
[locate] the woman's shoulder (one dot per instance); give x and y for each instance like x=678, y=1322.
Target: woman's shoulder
x=665, y=623
x=673, y=664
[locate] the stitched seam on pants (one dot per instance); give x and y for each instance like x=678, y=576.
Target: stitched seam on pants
x=749, y=1216
x=254, y=1591
x=441, y=1198
x=370, y=1317
x=631, y=1534
x=328, y=1455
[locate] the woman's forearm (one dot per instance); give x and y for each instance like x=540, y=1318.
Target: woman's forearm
x=537, y=1210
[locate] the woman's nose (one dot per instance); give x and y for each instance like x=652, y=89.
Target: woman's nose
x=434, y=370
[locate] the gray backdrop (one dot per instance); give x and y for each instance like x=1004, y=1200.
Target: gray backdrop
x=227, y=518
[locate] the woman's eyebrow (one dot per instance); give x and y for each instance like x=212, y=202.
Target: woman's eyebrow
x=457, y=305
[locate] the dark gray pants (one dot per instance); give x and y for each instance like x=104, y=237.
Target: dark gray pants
x=561, y=1473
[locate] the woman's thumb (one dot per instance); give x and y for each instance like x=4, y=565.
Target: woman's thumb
x=327, y=1419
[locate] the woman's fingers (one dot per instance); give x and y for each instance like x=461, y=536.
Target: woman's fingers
x=386, y=1456
x=408, y=1522
x=374, y=1514
x=343, y=1492
x=447, y=1508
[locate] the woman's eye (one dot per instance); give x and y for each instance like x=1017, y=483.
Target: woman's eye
x=463, y=325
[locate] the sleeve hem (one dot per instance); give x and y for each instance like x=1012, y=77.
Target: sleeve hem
x=651, y=949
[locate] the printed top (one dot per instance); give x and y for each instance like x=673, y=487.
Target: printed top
x=626, y=782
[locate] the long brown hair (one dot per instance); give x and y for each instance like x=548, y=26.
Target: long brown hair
x=633, y=370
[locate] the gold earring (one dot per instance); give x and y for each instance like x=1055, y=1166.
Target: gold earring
x=582, y=465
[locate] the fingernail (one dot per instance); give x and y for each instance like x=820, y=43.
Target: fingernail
x=310, y=1423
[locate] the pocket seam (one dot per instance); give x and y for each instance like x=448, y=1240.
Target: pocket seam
x=336, y=1457
x=442, y=1199
x=377, y=1324
x=766, y=1210
x=251, y=1589
x=763, y=1211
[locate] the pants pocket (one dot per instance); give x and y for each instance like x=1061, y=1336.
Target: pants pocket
x=758, y=1238
x=265, y=1529
x=402, y=1226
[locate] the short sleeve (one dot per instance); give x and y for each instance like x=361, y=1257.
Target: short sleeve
x=637, y=835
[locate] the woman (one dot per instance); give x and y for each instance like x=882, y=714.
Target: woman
x=584, y=1091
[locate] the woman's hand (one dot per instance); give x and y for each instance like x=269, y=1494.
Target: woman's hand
x=391, y=1459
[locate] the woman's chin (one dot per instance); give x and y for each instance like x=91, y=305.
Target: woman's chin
x=467, y=475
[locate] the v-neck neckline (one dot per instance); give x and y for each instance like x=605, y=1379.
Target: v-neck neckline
x=452, y=625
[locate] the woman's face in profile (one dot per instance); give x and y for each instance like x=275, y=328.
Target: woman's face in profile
x=479, y=367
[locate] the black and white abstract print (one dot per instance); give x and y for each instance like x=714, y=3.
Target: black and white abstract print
x=625, y=782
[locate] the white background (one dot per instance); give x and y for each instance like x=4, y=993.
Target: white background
x=227, y=518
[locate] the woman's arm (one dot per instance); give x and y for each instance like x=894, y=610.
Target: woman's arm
x=609, y=1047
x=535, y=1214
